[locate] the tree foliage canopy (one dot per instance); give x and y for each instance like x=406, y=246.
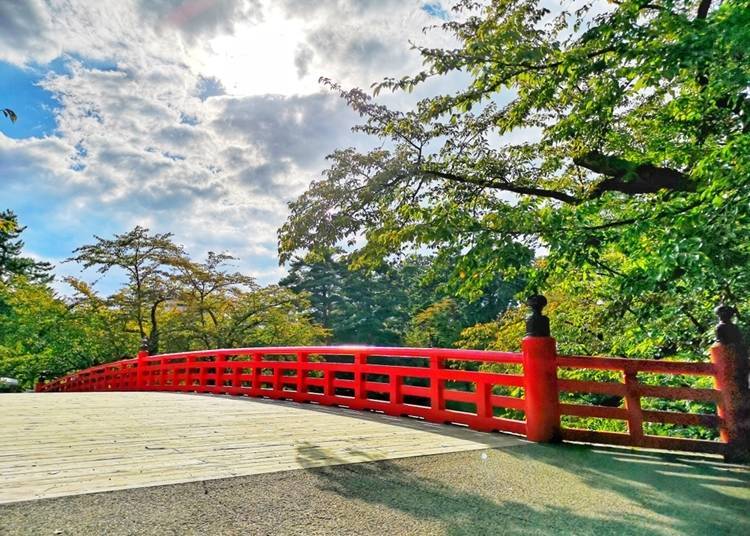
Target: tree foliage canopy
x=176, y=303
x=12, y=262
x=401, y=302
x=149, y=262
x=616, y=138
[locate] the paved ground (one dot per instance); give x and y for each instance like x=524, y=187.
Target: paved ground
x=57, y=444
x=516, y=490
x=508, y=487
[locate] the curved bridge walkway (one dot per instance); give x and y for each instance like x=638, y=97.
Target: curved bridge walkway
x=57, y=444
x=307, y=469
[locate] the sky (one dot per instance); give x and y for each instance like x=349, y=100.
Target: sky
x=203, y=118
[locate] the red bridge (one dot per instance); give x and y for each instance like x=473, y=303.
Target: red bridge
x=467, y=387
x=350, y=461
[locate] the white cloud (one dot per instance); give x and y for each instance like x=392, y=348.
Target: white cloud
x=24, y=31
x=200, y=117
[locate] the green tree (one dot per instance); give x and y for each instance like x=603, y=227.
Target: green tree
x=357, y=306
x=12, y=263
x=150, y=263
x=393, y=304
x=217, y=308
x=321, y=277
x=204, y=292
x=271, y=316
x=437, y=325
x=39, y=331
x=633, y=164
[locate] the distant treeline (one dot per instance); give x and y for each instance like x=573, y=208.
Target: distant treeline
x=174, y=303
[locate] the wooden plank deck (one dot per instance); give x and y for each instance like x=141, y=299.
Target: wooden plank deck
x=57, y=444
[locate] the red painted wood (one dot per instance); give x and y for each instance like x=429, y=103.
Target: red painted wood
x=224, y=372
x=591, y=436
x=654, y=442
x=679, y=393
x=632, y=391
x=541, y=389
x=633, y=407
x=687, y=419
x=636, y=365
x=508, y=402
x=264, y=372
x=689, y=445
x=600, y=388
x=603, y=412
x=732, y=376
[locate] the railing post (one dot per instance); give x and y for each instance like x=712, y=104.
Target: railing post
x=255, y=383
x=140, y=381
x=540, y=376
x=40, y=381
x=236, y=372
x=302, y=377
x=633, y=405
x=437, y=400
x=218, y=374
x=730, y=359
x=360, y=390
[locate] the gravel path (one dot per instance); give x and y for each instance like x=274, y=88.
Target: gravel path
x=527, y=489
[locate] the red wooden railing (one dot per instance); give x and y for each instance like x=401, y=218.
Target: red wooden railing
x=344, y=376
x=632, y=390
x=459, y=386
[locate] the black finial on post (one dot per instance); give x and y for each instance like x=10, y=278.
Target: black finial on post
x=537, y=325
x=144, y=344
x=726, y=332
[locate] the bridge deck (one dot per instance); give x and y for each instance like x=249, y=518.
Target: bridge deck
x=57, y=444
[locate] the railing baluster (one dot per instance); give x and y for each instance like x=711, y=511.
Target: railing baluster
x=277, y=387
x=189, y=374
x=202, y=382
x=301, y=375
x=633, y=405
x=236, y=372
x=396, y=396
x=219, y=373
x=437, y=401
x=162, y=373
x=329, y=391
x=360, y=391
x=484, y=406
x=256, y=368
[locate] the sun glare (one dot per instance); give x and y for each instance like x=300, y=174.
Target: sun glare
x=258, y=59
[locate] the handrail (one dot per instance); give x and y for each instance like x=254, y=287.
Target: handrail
x=503, y=391
x=631, y=390
x=350, y=349
x=415, y=389
x=639, y=365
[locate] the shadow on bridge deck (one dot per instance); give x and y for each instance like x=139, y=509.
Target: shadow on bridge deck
x=551, y=489
x=520, y=488
x=531, y=489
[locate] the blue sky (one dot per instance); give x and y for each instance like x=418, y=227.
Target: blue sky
x=34, y=105
x=198, y=117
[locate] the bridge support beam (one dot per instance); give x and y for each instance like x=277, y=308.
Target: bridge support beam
x=540, y=376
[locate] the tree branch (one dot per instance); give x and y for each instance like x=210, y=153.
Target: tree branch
x=703, y=8
x=506, y=186
x=632, y=178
